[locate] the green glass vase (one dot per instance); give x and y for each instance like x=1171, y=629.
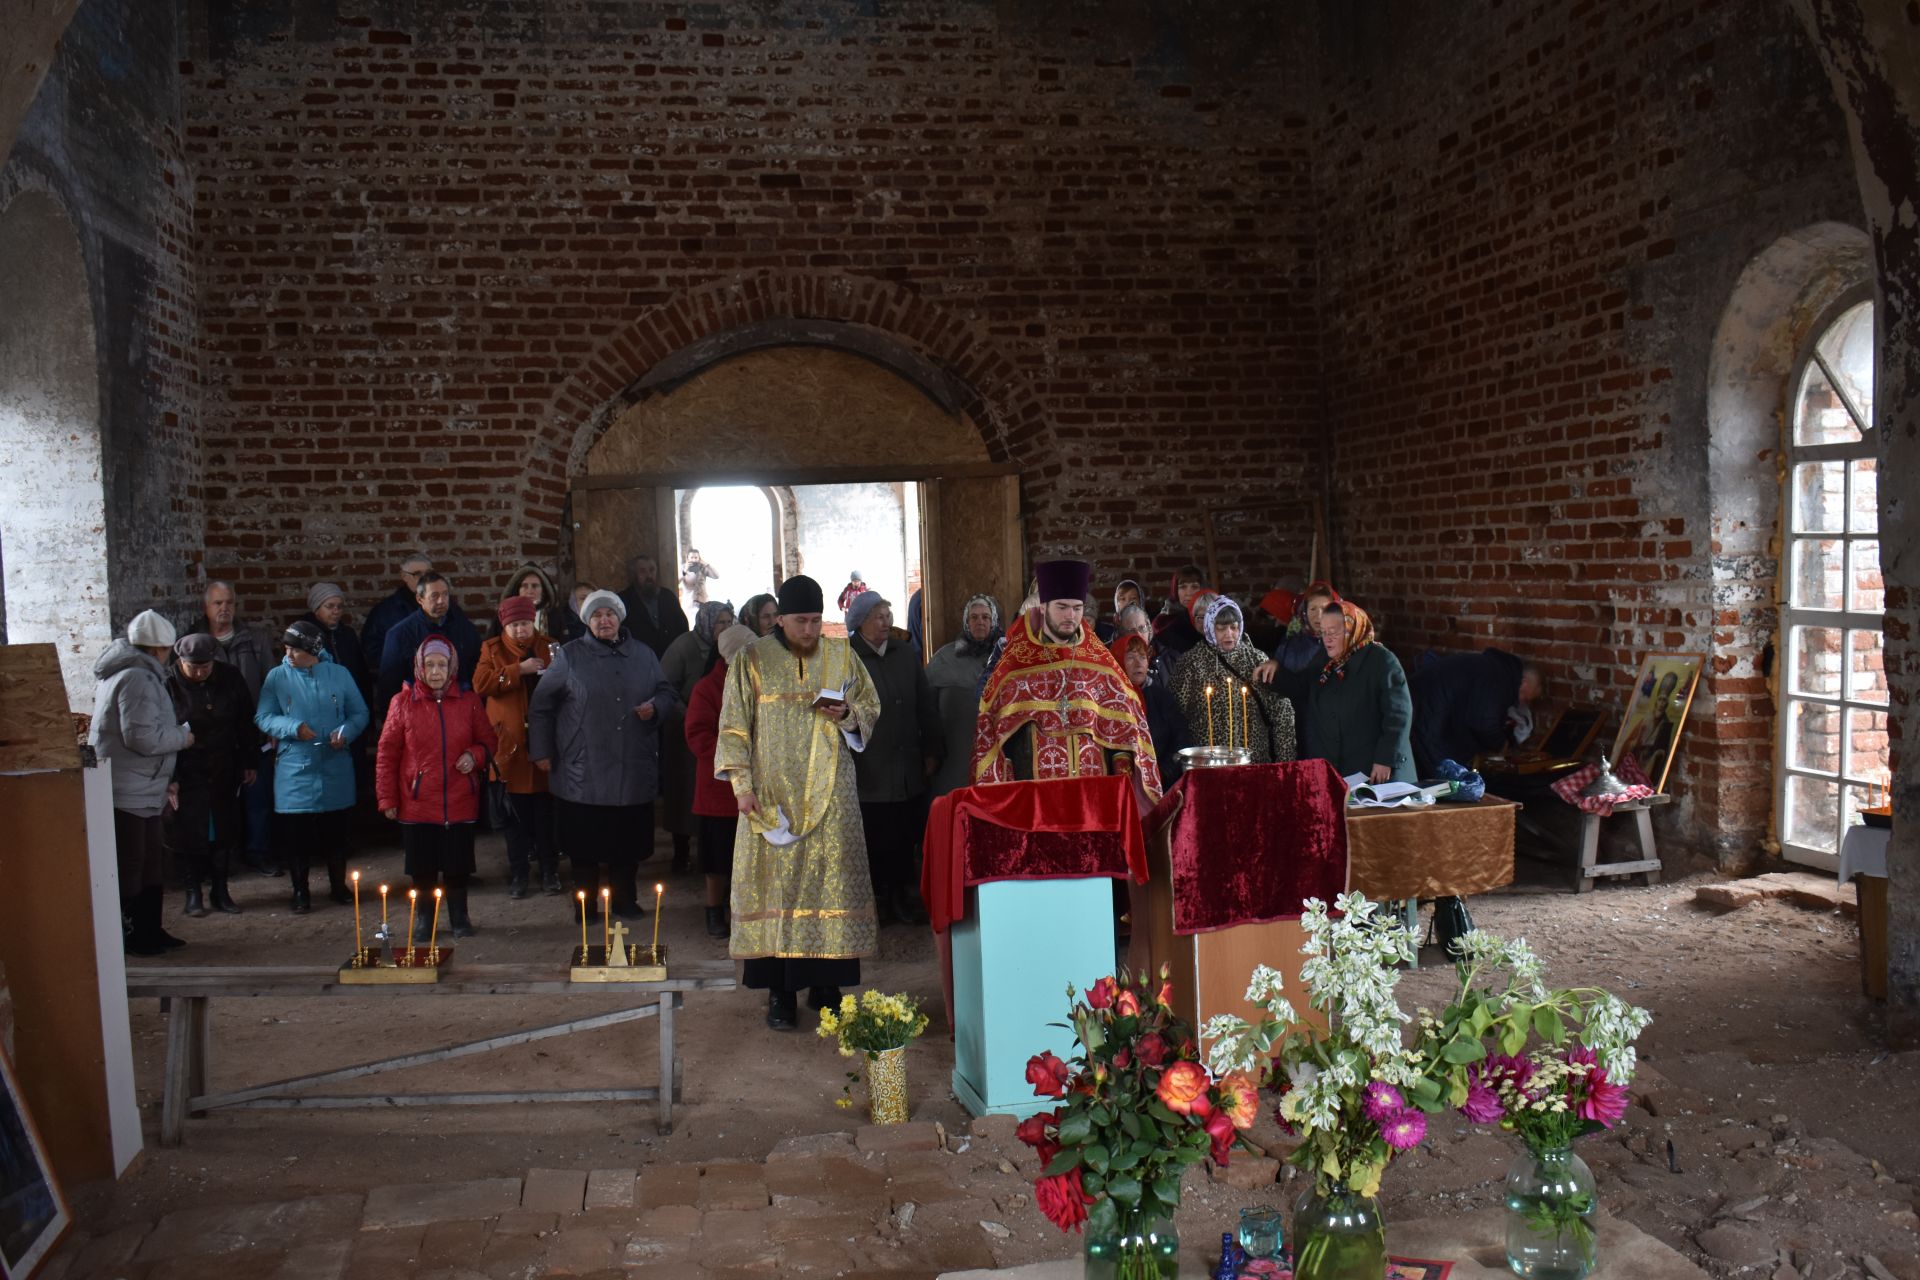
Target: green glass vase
x=1338, y=1235
x=1130, y=1245
x=1550, y=1206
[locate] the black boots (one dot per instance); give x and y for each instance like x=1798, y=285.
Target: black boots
x=517, y=885
x=302, y=900
x=783, y=1010
x=819, y=998
x=196, y=905
x=219, y=899
x=550, y=879
x=144, y=935
x=457, y=918
x=717, y=922
x=337, y=880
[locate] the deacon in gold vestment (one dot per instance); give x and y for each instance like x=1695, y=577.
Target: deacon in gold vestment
x=802, y=900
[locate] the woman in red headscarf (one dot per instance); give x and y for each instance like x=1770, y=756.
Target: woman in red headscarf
x=1359, y=712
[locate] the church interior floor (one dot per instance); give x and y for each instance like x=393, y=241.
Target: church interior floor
x=1770, y=1128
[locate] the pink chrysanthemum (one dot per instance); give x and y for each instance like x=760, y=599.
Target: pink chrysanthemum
x=1483, y=1104
x=1603, y=1100
x=1404, y=1129
x=1383, y=1101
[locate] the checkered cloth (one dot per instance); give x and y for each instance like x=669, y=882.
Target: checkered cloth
x=1628, y=771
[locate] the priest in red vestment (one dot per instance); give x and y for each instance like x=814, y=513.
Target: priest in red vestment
x=1057, y=705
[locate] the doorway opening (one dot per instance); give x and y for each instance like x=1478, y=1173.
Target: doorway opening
x=53, y=537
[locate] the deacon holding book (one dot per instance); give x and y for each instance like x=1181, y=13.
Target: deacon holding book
x=1058, y=705
x=797, y=706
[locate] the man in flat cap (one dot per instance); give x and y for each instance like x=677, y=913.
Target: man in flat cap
x=1057, y=705
x=797, y=706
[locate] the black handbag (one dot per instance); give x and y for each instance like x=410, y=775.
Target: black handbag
x=1451, y=922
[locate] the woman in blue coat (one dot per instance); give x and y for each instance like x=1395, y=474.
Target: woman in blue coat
x=312, y=708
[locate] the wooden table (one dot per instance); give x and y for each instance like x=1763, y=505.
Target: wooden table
x=186, y=994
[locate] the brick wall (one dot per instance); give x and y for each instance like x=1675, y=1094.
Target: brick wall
x=437, y=249
x=1533, y=216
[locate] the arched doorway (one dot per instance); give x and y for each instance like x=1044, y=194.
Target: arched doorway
x=735, y=529
x=53, y=515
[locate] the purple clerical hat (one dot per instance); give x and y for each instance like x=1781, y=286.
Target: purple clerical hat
x=1064, y=579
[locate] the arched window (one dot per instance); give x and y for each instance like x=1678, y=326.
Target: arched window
x=1833, y=735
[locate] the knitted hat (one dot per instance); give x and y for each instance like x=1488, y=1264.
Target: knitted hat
x=323, y=592
x=733, y=640
x=520, y=609
x=149, y=630
x=304, y=636
x=862, y=605
x=801, y=594
x=197, y=648
x=603, y=600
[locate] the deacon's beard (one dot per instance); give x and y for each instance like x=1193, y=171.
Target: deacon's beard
x=807, y=651
x=1054, y=637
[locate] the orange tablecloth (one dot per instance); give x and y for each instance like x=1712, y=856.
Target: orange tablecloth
x=1444, y=850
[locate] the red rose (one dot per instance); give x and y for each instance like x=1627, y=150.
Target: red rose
x=1048, y=1075
x=1151, y=1049
x=1180, y=1084
x=1220, y=1128
x=1100, y=994
x=1202, y=1107
x=1127, y=1005
x=1063, y=1200
x=1033, y=1132
x=1121, y=1059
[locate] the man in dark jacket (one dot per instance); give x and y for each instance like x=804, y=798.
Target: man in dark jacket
x=903, y=751
x=654, y=616
x=1465, y=704
x=249, y=651
x=439, y=615
x=392, y=611
x=209, y=824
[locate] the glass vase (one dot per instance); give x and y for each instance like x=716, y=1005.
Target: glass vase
x=1550, y=1204
x=887, y=1086
x=1131, y=1245
x=1338, y=1234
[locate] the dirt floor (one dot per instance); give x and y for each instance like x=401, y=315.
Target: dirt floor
x=1773, y=1134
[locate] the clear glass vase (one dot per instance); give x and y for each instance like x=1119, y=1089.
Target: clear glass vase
x=1550, y=1205
x=887, y=1086
x=1129, y=1245
x=1338, y=1235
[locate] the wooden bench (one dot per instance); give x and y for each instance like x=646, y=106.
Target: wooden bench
x=1647, y=865
x=186, y=994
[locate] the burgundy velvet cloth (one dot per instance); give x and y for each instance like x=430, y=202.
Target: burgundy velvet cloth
x=1250, y=843
x=1054, y=829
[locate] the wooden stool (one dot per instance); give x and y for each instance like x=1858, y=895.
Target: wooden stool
x=1647, y=865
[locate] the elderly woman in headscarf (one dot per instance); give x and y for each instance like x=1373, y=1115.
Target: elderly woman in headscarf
x=1225, y=662
x=954, y=676
x=689, y=657
x=758, y=613
x=1360, y=713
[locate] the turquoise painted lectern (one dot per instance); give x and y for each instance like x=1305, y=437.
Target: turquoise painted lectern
x=1018, y=881
x=1020, y=945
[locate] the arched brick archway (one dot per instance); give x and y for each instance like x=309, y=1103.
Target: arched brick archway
x=886, y=322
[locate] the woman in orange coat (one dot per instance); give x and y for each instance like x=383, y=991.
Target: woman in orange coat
x=509, y=668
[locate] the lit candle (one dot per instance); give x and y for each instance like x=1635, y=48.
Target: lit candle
x=358, y=950
x=1246, y=717
x=657, y=891
x=582, y=896
x=383, y=915
x=413, y=904
x=433, y=930
x=1209, y=715
x=606, y=925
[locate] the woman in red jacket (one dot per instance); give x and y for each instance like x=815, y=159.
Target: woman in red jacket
x=714, y=808
x=431, y=765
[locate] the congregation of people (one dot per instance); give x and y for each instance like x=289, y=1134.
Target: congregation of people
x=795, y=766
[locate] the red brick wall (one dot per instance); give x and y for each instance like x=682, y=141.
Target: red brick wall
x=1533, y=216
x=433, y=256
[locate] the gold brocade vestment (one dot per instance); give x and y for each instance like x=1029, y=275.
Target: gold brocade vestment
x=812, y=898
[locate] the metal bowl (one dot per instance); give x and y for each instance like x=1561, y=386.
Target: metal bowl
x=1215, y=757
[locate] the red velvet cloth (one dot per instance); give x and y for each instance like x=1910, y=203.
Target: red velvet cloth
x=1050, y=830
x=1250, y=843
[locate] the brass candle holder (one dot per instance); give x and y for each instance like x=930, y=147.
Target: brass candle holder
x=618, y=961
x=386, y=964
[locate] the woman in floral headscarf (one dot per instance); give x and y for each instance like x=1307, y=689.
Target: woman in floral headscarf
x=688, y=657
x=1226, y=662
x=1360, y=714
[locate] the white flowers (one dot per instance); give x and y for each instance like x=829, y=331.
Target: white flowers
x=1611, y=1028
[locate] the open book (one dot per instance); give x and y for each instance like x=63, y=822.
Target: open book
x=1362, y=794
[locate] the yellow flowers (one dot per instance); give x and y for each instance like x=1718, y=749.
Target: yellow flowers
x=873, y=1021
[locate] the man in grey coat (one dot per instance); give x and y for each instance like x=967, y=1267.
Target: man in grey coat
x=903, y=750
x=593, y=726
x=135, y=727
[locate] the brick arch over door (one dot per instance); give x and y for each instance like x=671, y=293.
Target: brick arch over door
x=917, y=338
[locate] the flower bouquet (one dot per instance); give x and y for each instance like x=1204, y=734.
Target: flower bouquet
x=1353, y=1094
x=878, y=1026
x=1574, y=1082
x=1136, y=1108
